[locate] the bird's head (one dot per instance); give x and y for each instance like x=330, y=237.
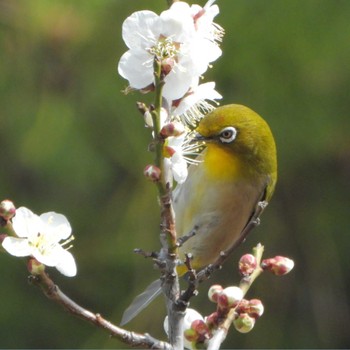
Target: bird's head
x=239, y=131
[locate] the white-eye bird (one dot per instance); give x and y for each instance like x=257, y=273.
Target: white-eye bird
x=237, y=169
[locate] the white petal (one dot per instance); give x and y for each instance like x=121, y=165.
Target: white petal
x=140, y=30
x=200, y=93
x=137, y=68
x=49, y=257
x=26, y=223
x=177, y=22
x=179, y=168
x=177, y=84
x=176, y=142
x=190, y=316
x=17, y=246
x=57, y=224
x=67, y=265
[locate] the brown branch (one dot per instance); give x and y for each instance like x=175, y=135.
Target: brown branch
x=170, y=285
x=52, y=291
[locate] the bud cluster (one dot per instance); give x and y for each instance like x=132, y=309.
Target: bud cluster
x=246, y=311
x=279, y=265
x=230, y=302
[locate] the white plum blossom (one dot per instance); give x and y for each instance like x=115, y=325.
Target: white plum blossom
x=194, y=105
x=178, y=152
x=39, y=237
x=190, y=316
x=182, y=39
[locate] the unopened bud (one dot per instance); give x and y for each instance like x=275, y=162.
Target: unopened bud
x=213, y=320
x=256, y=308
x=247, y=264
x=214, y=292
x=147, y=116
x=7, y=209
x=244, y=323
x=191, y=335
x=242, y=306
x=279, y=265
x=172, y=129
x=35, y=267
x=229, y=297
x=152, y=173
x=201, y=329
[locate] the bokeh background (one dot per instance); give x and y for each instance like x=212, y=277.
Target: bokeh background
x=71, y=142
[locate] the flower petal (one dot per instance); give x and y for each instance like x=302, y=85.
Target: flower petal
x=177, y=22
x=17, y=246
x=57, y=224
x=67, y=265
x=177, y=83
x=179, y=168
x=137, y=68
x=26, y=223
x=140, y=29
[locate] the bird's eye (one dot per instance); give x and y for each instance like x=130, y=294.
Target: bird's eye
x=227, y=135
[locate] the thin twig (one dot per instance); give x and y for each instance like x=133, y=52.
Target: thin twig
x=52, y=291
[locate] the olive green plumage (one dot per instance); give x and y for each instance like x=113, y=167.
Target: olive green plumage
x=238, y=169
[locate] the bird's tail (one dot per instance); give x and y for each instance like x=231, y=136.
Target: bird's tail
x=141, y=301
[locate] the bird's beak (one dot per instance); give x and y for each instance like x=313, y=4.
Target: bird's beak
x=198, y=137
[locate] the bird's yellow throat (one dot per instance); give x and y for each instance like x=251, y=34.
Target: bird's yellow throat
x=222, y=164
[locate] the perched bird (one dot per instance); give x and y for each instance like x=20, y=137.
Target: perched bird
x=237, y=169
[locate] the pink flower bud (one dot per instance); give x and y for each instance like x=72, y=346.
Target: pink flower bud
x=279, y=265
x=244, y=323
x=35, y=267
x=213, y=320
x=191, y=335
x=172, y=129
x=256, y=308
x=7, y=209
x=202, y=329
x=229, y=297
x=214, y=292
x=152, y=173
x=242, y=306
x=247, y=264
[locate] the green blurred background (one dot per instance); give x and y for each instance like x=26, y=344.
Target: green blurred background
x=71, y=142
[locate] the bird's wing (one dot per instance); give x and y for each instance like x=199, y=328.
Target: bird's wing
x=141, y=301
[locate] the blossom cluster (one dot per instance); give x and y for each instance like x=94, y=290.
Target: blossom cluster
x=39, y=238
x=183, y=41
x=231, y=302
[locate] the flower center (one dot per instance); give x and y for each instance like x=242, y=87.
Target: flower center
x=165, y=48
x=44, y=245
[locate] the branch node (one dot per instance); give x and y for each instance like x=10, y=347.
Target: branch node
x=146, y=254
x=186, y=237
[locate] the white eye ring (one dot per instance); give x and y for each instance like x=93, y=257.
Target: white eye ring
x=227, y=135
